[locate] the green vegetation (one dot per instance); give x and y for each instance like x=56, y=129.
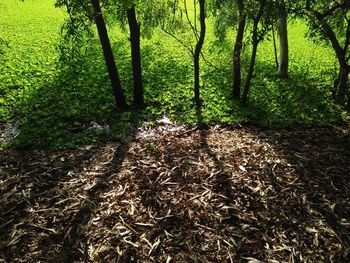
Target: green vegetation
x=57, y=104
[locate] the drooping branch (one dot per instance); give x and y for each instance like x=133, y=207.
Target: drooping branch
x=189, y=48
x=330, y=34
x=193, y=27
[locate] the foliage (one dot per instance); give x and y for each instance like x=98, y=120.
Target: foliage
x=329, y=21
x=60, y=106
x=3, y=45
x=225, y=15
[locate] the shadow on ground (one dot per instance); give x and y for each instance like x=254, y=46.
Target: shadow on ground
x=312, y=184
x=181, y=194
x=298, y=100
x=47, y=198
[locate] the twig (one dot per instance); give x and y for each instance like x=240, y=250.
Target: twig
x=178, y=40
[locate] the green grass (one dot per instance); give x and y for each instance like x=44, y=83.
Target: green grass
x=56, y=104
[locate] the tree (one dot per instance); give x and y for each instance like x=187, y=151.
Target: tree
x=81, y=15
x=236, y=71
x=331, y=22
x=257, y=17
x=250, y=15
x=150, y=14
x=198, y=51
x=228, y=13
x=135, y=55
x=178, y=22
x=108, y=55
x=283, y=39
x=127, y=12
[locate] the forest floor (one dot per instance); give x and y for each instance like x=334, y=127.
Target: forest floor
x=181, y=194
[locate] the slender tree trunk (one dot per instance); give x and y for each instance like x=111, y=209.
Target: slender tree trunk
x=136, y=56
x=198, y=51
x=275, y=46
x=252, y=63
x=236, y=73
x=342, y=85
x=255, y=42
x=108, y=55
x=283, y=39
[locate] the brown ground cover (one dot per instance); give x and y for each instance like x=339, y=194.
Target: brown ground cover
x=181, y=194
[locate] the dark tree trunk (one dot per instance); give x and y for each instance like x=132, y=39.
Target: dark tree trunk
x=283, y=39
x=198, y=51
x=136, y=56
x=108, y=55
x=342, y=85
x=275, y=46
x=255, y=43
x=251, y=66
x=236, y=73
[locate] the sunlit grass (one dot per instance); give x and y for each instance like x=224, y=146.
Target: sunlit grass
x=55, y=104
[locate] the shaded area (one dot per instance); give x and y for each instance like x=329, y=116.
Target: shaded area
x=48, y=198
x=182, y=194
x=302, y=99
x=74, y=106
x=319, y=182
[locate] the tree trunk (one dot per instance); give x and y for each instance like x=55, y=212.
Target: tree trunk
x=283, y=39
x=252, y=63
x=342, y=85
x=236, y=73
x=275, y=46
x=136, y=56
x=108, y=55
x=198, y=51
x=255, y=42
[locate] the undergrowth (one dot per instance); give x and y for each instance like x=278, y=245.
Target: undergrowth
x=59, y=105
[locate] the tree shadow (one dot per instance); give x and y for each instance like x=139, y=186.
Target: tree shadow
x=300, y=99
x=48, y=198
x=168, y=85
x=73, y=107
x=28, y=178
x=311, y=183
x=294, y=187
x=191, y=194
x=230, y=184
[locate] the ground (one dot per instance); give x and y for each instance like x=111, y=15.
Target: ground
x=181, y=194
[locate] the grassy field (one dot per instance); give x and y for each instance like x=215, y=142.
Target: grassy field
x=58, y=105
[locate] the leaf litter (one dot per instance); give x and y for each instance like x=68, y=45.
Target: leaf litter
x=181, y=194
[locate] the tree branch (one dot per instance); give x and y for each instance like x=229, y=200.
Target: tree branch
x=347, y=37
x=178, y=40
x=189, y=21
